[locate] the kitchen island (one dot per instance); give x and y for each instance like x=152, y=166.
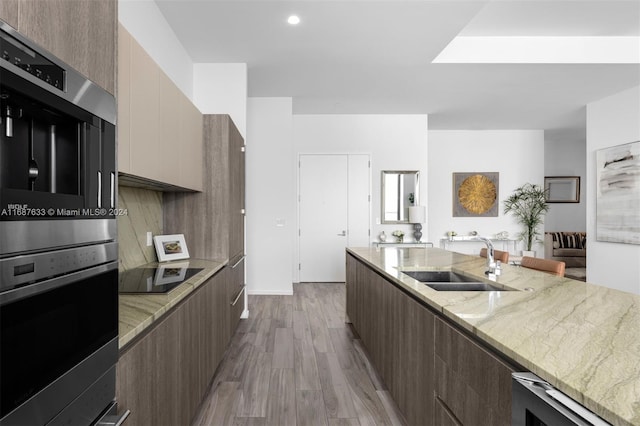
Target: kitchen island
x=582, y=338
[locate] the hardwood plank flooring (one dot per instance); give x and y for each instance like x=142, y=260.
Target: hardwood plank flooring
x=296, y=362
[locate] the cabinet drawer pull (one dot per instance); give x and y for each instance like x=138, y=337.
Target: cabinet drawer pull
x=238, y=262
x=238, y=296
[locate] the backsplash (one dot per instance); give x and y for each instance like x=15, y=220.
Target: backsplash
x=144, y=214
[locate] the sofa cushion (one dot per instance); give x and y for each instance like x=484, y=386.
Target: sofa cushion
x=568, y=252
x=569, y=240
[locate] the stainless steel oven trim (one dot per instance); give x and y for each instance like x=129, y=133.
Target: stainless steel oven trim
x=37, y=288
x=34, y=235
x=79, y=90
x=533, y=394
x=92, y=379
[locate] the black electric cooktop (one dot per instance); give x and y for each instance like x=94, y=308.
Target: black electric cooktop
x=160, y=279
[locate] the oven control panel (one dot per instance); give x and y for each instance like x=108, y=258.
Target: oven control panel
x=27, y=269
x=16, y=53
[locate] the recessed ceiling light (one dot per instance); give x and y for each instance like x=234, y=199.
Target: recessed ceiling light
x=293, y=20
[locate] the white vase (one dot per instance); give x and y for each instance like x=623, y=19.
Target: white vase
x=382, y=237
x=529, y=253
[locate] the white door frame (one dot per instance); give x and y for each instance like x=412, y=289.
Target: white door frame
x=296, y=257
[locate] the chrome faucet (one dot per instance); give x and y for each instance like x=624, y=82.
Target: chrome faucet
x=491, y=262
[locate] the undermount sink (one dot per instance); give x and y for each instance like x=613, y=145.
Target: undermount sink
x=450, y=281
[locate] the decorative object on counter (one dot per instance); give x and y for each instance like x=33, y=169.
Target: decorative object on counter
x=417, y=216
x=475, y=194
x=528, y=205
x=618, y=194
x=170, y=247
x=399, y=235
x=473, y=233
x=502, y=235
x=451, y=234
x=382, y=237
x=562, y=189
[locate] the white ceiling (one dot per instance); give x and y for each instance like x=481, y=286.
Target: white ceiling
x=374, y=57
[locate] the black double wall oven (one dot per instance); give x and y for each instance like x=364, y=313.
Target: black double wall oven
x=58, y=241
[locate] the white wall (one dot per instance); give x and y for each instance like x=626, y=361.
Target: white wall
x=518, y=155
x=612, y=121
x=565, y=154
x=147, y=25
x=395, y=142
x=270, y=186
x=222, y=89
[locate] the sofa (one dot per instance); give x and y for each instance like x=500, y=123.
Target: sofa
x=569, y=247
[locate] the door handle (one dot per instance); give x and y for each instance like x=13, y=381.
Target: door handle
x=344, y=234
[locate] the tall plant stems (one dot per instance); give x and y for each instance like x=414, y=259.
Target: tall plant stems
x=528, y=205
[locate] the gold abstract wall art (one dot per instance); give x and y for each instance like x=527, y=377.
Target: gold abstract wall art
x=475, y=194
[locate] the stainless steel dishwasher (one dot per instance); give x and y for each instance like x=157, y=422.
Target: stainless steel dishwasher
x=536, y=403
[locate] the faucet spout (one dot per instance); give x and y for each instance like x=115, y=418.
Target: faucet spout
x=491, y=262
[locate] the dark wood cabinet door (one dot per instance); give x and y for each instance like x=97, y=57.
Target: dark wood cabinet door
x=472, y=382
x=442, y=415
x=81, y=33
x=147, y=380
x=351, y=285
x=235, y=295
x=236, y=190
x=398, y=333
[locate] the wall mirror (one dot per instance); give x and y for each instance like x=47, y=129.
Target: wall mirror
x=399, y=191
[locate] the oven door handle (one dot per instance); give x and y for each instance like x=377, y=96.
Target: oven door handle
x=99, y=189
x=50, y=284
x=113, y=420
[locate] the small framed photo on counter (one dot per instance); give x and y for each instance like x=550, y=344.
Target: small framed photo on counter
x=170, y=247
x=562, y=189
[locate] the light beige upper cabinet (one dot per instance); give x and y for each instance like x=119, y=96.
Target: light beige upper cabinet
x=9, y=12
x=191, y=150
x=160, y=130
x=81, y=33
x=169, y=124
x=144, y=114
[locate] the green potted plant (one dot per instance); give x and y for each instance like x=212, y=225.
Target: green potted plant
x=528, y=205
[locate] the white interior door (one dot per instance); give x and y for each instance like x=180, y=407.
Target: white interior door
x=333, y=198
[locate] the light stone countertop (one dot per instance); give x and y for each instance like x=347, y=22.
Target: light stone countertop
x=138, y=311
x=582, y=338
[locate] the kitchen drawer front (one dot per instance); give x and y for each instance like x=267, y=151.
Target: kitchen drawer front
x=444, y=416
x=236, y=293
x=473, y=383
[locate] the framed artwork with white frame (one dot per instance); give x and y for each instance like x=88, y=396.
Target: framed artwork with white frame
x=170, y=247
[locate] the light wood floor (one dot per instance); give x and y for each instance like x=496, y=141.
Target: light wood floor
x=296, y=362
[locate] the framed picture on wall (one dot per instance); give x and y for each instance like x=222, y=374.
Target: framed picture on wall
x=562, y=189
x=618, y=194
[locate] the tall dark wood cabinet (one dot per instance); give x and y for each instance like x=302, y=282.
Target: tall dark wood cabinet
x=213, y=221
x=81, y=33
